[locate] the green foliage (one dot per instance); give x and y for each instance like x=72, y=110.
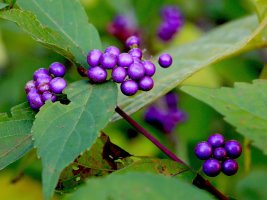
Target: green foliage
x=62, y=132
x=15, y=134
x=261, y=8
x=228, y=40
x=141, y=186
x=243, y=106
x=69, y=20
x=253, y=186
x=3, y=5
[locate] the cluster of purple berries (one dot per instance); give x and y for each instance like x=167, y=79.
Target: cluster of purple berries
x=46, y=84
x=218, y=155
x=172, y=21
x=128, y=69
x=166, y=119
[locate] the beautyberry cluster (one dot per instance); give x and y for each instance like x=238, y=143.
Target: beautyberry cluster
x=165, y=119
x=218, y=155
x=46, y=84
x=129, y=69
x=172, y=21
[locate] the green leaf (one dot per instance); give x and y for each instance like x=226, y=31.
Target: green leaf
x=141, y=186
x=243, y=106
x=28, y=22
x=68, y=18
x=253, y=186
x=62, y=132
x=3, y=5
x=261, y=8
x=221, y=43
x=15, y=134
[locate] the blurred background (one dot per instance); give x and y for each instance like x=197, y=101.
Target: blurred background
x=115, y=20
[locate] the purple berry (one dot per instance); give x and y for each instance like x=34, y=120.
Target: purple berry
x=29, y=86
x=48, y=96
x=211, y=167
x=216, y=140
x=97, y=74
x=165, y=60
x=42, y=80
x=229, y=167
x=57, y=85
x=132, y=41
x=35, y=100
x=150, y=68
x=136, y=71
x=43, y=87
x=171, y=101
x=57, y=69
x=125, y=60
x=129, y=87
x=119, y=74
x=203, y=150
x=113, y=50
x=93, y=57
x=219, y=153
x=136, y=52
x=42, y=72
x=108, y=61
x=233, y=148
x=146, y=83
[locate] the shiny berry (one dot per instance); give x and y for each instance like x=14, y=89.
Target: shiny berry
x=132, y=41
x=146, y=83
x=108, y=61
x=119, y=74
x=97, y=74
x=129, y=87
x=93, y=57
x=125, y=60
x=48, y=96
x=233, y=148
x=203, y=150
x=136, y=52
x=43, y=80
x=229, y=167
x=113, y=50
x=42, y=72
x=150, y=68
x=57, y=69
x=29, y=86
x=219, y=153
x=43, y=87
x=35, y=100
x=57, y=85
x=136, y=71
x=216, y=140
x=211, y=167
x=165, y=60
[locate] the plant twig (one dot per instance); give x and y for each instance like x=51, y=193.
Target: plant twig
x=199, y=181
x=247, y=155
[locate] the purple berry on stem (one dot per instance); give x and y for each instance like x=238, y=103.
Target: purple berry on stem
x=216, y=140
x=57, y=85
x=129, y=87
x=35, y=100
x=108, y=61
x=136, y=52
x=97, y=74
x=48, y=96
x=203, y=150
x=125, y=60
x=211, y=167
x=57, y=69
x=165, y=60
x=146, y=83
x=219, y=153
x=93, y=57
x=119, y=74
x=42, y=72
x=42, y=80
x=229, y=167
x=136, y=71
x=233, y=148
x=29, y=86
x=150, y=68
x=113, y=50
x=43, y=87
x=132, y=41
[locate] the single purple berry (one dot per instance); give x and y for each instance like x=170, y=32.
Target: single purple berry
x=229, y=167
x=119, y=74
x=42, y=80
x=93, y=57
x=35, y=100
x=137, y=60
x=146, y=83
x=211, y=167
x=216, y=140
x=136, y=71
x=108, y=61
x=150, y=68
x=165, y=60
x=43, y=87
x=57, y=69
x=29, y=86
x=42, y=72
x=48, y=96
x=113, y=50
x=233, y=148
x=97, y=74
x=132, y=41
x=57, y=85
x=203, y=150
x=165, y=31
x=219, y=153
x=136, y=52
x=129, y=87
x=171, y=101
x=125, y=60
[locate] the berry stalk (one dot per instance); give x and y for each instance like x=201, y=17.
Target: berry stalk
x=247, y=155
x=199, y=181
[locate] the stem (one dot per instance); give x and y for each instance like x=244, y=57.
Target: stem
x=247, y=155
x=199, y=181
